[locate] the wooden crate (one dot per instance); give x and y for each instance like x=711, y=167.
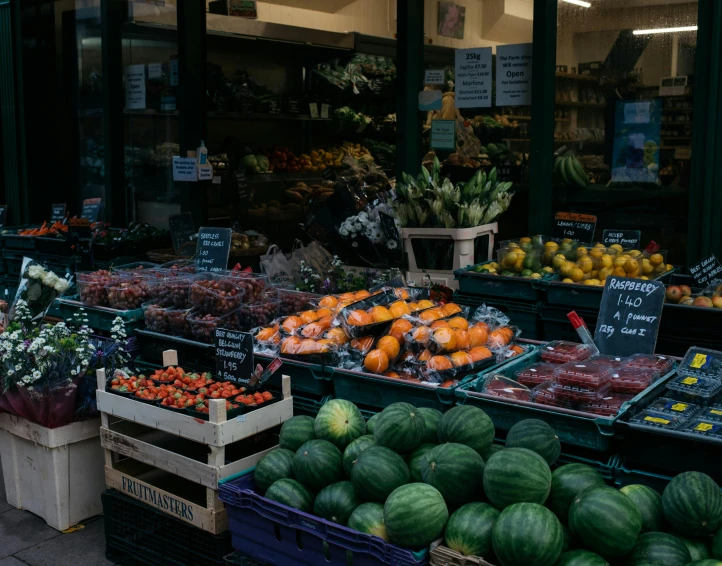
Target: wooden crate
x=443, y=556
x=174, y=462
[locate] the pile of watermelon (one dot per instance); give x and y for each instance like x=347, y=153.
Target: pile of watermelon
x=413, y=475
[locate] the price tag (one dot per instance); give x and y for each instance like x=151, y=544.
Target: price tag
x=205, y=173
x=274, y=107
x=184, y=169
x=181, y=229
x=3, y=214
x=57, y=212
x=214, y=245
x=628, y=239
x=234, y=355
x=91, y=209
x=707, y=271
x=579, y=227
x=313, y=110
x=629, y=316
x=324, y=111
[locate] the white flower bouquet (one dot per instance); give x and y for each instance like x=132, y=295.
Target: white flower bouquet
x=38, y=287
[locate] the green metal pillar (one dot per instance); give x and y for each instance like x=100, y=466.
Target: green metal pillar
x=543, y=86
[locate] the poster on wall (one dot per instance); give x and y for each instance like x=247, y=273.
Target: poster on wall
x=135, y=87
x=635, y=157
x=451, y=20
x=513, y=74
x=473, y=77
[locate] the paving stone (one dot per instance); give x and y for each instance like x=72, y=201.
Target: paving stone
x=20, y=530
x=10, y=561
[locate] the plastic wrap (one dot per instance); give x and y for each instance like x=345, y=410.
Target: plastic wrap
x=369, y=316
x=214, y=294
x=128, y=292
x=203, y=325
x=576, y=394
x=561, y=352
x=703, y=427
x=693, y=389
x=500, y=386
x=608, y=406
x=656, y=420
x=38, y=287
x=673, y=407
x=702, y=362
x=633, y=380
x=535, y=374
x=583, y=375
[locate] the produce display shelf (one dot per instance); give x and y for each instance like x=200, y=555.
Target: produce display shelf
x=379, y=391
x=276, y=534
x=18, y=242
x=13, y=262
x=507, y=288
x=99, y=318
x=522, y=314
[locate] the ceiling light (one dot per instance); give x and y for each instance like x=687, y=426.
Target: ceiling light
x=581, y=3
x=663, y=30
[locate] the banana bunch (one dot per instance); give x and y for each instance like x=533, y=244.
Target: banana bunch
x=569, y=173
x=357, y=151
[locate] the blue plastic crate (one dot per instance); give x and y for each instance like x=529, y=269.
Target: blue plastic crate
x=276, y=534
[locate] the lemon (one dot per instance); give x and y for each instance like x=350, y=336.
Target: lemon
x=617, y=247
x=591, y=282
x=513, y=245
x=559, y=260
x=535, y=276
x=594, y=274
x=647, y=267
x=566, y=268
x=670, y=267
x=494, y=265
x=606, y=261
x=599, y=245
x=582, y=251
x=631, y=266
x=548, y=269
x=635, y=253
x=525, y=240
x=596, y=253
x=586, y=264
x=605, y=272
x=567, y=280
x=551, y=245
x=656, y=259
x=509, y=259
x=644, y=277
x=519, y=265
x=619, y=272
x=576, y=274
x=619, y=261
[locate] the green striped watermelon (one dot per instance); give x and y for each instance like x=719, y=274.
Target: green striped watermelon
x=455, y=470
x=467, y=425
x=606, y=520
x=354, y=449
x=581, y=558
x=526, y=534
x=415, y=460
x=415, y=515
x=516, y=475
x=431, y=420
x=649, y=503
x=567, y=538
x=369, y=518
x=568, y=481
x=706, y=562
x=371, y=424
x=275, y=465
x=716, y=548
x=660, y=549
x=336, y=502
x=692, y=503
x=697, y=548
x=400, y=427
x=537, y=436
x=318, y=464
x=292, y=494
x=489, y=452
x=297, y=431
x=469, y=529
x=340, y=422
x=378, y=471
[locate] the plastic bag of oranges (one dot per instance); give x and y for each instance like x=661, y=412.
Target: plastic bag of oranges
x=267, y=339
x=369, y=315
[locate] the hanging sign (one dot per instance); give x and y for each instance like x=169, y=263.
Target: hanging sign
x=135, y=87
x=234, y=355
x=185, y=169
x=214, y=246
x=443, y=134
x=628, y=239
x=473, y=77
x=513, y=74
x=707, y=271
x=579, y=227
x=91, y=209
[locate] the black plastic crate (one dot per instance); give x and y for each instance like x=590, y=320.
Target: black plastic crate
x=136, y=530
x=238, y=559
x=556, y=326
x=523, y=314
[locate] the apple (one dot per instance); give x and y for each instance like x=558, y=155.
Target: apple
x=686, y=300
x=674, y=294
x=705, y=302
x=685, y=290
x=717, y=302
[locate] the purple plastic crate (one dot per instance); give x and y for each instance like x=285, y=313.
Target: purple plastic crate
x=275, y=534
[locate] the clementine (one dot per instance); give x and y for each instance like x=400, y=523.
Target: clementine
x=450, y=309
x=445, y=338
x=290, y=345
x=337, y=335
x=459, y=322
x=267, y=334
x=431, y=314
x=440, y=324
x=359, y=318
x=390, y=345
x=400, y=327
x=309, y=316
x=307, y=346
x=463, y=342
x=320, y=313
x=461, y=358
x=424, y=304
x=362, y=344
x=424, y=356
x=380, y=314
x=501, y=337
x=399, y=309
x=361, y=295
x=478, y=335
x=291, y=323
x=421, y=334
x=479, y=353
x=328, y=302
x=439, y=363
x=376, y=361
x=392, y=374
x=401, y=293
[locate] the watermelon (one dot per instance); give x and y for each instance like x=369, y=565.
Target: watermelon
x=649, y=503
x=431, y=420
x=415, y=515
x=516, y=475
x=318, y=464
x=415, y=459
x=292, y=494
x=272, y=467
x=340, y=422
x=336, y=502
x=581, y=558
x=378, y=471
x=354, y=449
x=567, y=538
x=537, y=436
x=660, y=549
x=717, y=545
x=368, y=518
x=467, y=425
x=469, y=529
x=706, y=562
x=297, y=431
x=400, y=427
x=568, y=481
x=527, y=533
x=697, y=547
x=606, y=520
x=455, y=470
x=489, y=452
x=692, y=503
x=371, y=424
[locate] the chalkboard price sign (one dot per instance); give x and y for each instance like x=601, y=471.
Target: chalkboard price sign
x=181, y=229
x=91, y=209
x=579, y=227
x=214, y=245
x=234, y=355
x=629, y=316
x=628, y=239
x=57, y=212
x=707, y=271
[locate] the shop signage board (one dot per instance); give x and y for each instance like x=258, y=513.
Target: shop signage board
x=473, y=78
x=135, y=87
x=434, y=76
x=234, y=355
x=628, y=239
x=513, y=74
x=579, y=227
x=214, y=245
x=3, y=214
x=185, y=169
x=181, y=229
x=629, y=316
x=443, y=134
x=672, y=86
x=57, y=212
x=707, y=271
x=91, y=209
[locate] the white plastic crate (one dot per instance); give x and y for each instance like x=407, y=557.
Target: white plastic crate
x=463, y=239
x=58, y=473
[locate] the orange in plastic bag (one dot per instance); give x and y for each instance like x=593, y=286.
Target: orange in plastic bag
x=376, y=361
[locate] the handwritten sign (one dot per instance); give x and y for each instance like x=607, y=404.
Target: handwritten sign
x=205, y=173
x=214, y=245
x=473, y=77
x=234, y=355
x=629, y=316
x=184, y=169
x=443, y=134
x=707, y=271
x=91, y=209
x=579, y=227
x=628, y=239
x=57, y=212
x=181, y=229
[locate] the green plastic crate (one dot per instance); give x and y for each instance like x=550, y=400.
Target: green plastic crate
x=518, y=288
x=524, y=315
x=306, y=405
x=305, y=378
x=99, y=318
x=624, y=475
